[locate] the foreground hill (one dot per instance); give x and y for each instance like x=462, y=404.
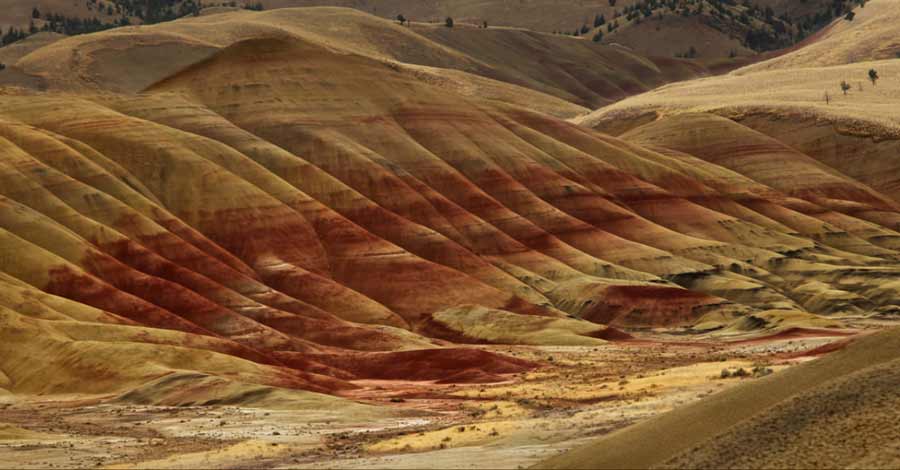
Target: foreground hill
x=836, y=412
x=288, y=207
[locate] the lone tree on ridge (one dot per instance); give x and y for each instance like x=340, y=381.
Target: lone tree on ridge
x=873, y=76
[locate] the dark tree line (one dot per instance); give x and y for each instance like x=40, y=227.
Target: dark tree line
x=117, y=13
x=758, y=28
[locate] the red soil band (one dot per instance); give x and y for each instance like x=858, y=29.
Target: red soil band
x=648, y=306
x=795, y=333
x=457, y=365
x=824, y=349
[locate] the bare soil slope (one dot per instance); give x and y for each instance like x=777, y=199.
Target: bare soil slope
x=836, y=412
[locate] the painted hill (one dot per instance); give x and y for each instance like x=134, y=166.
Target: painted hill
x=836, y=412
x=288, y=206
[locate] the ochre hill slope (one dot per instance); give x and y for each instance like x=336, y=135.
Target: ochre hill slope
x=581, y=74
x=277, y=210
x=836, y=412
x=797, y=101
x=872, y=35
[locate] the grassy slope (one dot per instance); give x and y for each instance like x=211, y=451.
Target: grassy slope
x=871, y=36
x=734, y=429
x=798, y=81
x=786, y=98
x=578, y=73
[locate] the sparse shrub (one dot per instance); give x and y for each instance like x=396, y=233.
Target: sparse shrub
x=448, y=22
x=845, y=87
x=401, y=19
x=873, y=76
x=725, y=374
x=741, y=372
x=849, y=16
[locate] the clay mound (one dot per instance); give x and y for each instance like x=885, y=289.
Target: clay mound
x=196, y=389
x=472, y=324
x=649, y=306
x=471, y=377
x=427, y=364
x=846, y=402
x=8, y=432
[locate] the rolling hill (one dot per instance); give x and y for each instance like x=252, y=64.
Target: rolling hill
x=717, y=34
x=263, y=199
x=582, y=75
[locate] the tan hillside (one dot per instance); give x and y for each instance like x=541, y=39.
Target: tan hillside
x=853, y=134
x=17, y=13
x=871, y=36
x=674, y=35
x=837, y=412
x=581, y=73
x=792, y=84
x=539, y=15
